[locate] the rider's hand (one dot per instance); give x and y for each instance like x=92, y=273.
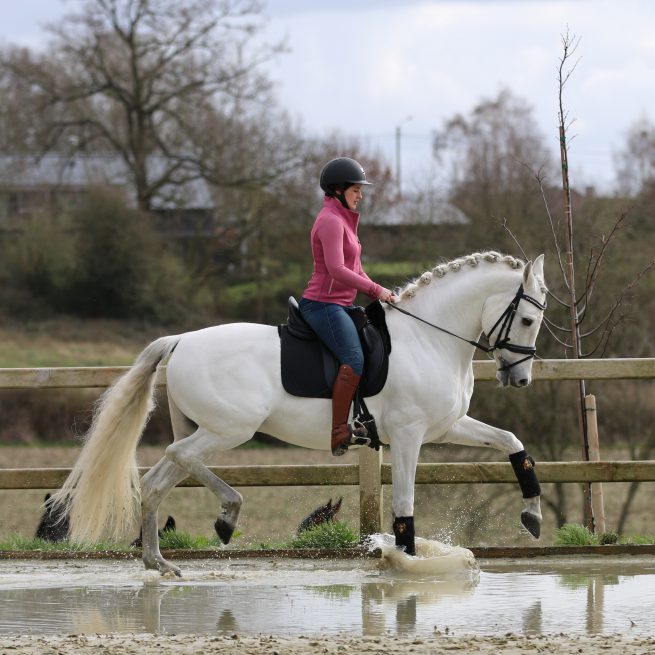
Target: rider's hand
x=387, y=296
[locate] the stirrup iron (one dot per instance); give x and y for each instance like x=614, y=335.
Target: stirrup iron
x=359, y=434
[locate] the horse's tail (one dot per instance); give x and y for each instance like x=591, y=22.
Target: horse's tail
x=102, y=493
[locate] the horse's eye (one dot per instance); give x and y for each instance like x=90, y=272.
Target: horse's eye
x=526, y=321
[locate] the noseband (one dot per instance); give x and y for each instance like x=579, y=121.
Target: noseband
x=503, y=325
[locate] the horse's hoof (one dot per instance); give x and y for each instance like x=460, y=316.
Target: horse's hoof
x=176, y=571
x=224, y=530
x=164, y=567
x=531, y=523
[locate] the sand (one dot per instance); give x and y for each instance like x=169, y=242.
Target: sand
x=144, y=644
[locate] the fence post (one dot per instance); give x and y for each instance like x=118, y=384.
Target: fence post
x=597, y=505
x=370, y=491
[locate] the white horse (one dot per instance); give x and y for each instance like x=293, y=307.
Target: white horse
x=224, y=385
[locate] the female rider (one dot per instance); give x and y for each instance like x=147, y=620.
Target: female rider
x=336, y=278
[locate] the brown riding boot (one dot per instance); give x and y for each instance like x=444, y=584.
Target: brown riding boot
x=343, y=391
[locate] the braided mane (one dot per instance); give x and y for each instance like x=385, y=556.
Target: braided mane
x=491, y=256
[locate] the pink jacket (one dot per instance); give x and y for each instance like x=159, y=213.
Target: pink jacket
x=338, y=274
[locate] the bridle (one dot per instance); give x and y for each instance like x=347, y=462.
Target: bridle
x=503, y=325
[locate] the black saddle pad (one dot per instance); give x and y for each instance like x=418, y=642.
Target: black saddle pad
x=309, y=368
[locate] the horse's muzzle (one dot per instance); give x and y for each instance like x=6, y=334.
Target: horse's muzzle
x=508, y=375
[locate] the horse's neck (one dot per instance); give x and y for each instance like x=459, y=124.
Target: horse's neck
x=455, y=302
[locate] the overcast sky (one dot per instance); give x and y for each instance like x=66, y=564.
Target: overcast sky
x=364, y=66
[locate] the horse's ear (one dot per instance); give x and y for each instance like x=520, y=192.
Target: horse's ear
x=535, y=268
x=538, y=267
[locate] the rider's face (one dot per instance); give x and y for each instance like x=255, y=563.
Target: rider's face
x=353, y=194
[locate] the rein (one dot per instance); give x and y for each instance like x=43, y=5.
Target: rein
x=504, y=325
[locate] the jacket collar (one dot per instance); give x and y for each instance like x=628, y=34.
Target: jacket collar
x=336, y=207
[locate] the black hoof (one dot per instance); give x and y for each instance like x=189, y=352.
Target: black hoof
x=531, y=523
x=224, y=530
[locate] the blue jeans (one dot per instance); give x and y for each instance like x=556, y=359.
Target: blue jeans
x=336, y=330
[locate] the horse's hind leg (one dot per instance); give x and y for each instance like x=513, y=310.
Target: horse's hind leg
x=190, y=454
x=155, y=486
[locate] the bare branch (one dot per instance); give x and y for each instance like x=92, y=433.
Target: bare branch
x=505, y=226
x=619, y=300
x=593, y=271
x=557, y=339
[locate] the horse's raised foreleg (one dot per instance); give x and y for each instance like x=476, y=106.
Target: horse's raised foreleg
x=404, y=457
x=155, y=485
x=190, y=454
x=470, y=432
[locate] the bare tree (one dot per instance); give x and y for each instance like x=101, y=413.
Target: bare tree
x=635, y=162
x=490, y=153
x=22, y=113
x=145, y=79
x=578, y=338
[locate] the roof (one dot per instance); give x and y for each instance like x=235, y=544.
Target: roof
x=73, y=173
x=418, y=209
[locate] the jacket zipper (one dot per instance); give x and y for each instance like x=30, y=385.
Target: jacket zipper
x=330, y=289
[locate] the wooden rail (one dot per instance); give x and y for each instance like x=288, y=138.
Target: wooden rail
x=349, y=474
x=371, y=474
x=484, y=370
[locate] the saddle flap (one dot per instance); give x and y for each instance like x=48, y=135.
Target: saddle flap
x=309, y=369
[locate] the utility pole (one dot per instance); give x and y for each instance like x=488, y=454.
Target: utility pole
x=398, y=140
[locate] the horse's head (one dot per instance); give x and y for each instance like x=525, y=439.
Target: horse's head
x=512, y=322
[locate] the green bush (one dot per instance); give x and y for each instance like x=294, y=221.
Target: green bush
x=608, y=538
x=120, y=267
x=35, y=263
x=572, y=534
x=99, y=258
x=333, y=534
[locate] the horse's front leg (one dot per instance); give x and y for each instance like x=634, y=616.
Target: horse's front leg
x=470, y=432
x=404, y=458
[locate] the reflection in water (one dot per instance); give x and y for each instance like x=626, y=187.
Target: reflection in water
x=226, y=622
x=532, y=623
x=353, y=601
x=595, y=589
x=595, y=598
x=404, y=599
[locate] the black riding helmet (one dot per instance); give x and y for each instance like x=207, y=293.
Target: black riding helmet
x=339, y=174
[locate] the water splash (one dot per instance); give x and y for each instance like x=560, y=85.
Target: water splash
x=432, y=557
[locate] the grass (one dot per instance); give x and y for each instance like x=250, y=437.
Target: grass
x=24, y=544
x=66, y=341
x=334, y=535
x=573, y=534
x=173, y=540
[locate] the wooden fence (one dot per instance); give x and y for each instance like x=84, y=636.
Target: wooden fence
x=371, y=473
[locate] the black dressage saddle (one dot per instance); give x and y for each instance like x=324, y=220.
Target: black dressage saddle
x=309, y=368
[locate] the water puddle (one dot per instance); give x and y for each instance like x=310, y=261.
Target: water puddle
x=298, y=597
